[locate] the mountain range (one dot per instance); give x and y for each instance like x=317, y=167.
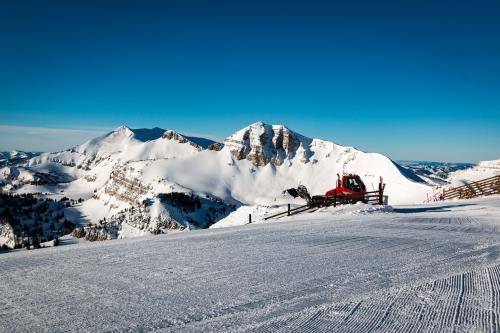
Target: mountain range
x=138, y=181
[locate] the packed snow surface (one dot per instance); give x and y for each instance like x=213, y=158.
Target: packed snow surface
x=433, y=267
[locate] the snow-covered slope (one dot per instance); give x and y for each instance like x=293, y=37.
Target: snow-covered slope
x=98, y=171
x=120, y=145
x=423, y=268
x=88, y=166
x=482, y=170
x=128, y=168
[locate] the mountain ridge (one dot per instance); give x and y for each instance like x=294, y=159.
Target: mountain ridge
x=170, y=181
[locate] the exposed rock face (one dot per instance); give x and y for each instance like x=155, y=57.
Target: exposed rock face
x=173, y=135
x=125, y=188
x=78, y=233
x=137, y=222
x=262, y=144
x=164, y=213
x=97, y=233
x=7, y=236
x=216, y=146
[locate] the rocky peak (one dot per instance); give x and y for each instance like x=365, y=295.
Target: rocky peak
x=261, y=144
x=217, y=146
x=173, y=135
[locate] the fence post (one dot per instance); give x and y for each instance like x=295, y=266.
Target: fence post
x=381, y=192
x=288, y=212
x=380, y=195
x=249, y=218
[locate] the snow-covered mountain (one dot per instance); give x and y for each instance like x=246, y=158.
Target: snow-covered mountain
x=434, y=173
x=445, y=174
x=262, y=144
x=14, y=157
x=135, y=181
x=482, y=170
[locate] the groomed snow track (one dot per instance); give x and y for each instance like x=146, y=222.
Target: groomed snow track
x=433, y=268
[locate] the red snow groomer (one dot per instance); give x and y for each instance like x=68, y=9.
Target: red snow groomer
x=349, y=188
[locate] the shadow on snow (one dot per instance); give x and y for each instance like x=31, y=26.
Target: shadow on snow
x=444, y=208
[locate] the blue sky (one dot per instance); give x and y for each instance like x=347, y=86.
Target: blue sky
x=411, y=79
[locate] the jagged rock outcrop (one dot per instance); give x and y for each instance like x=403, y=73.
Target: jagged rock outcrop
x=166, y=212
x=125, y=188
x=129, y=222
x=173, y=135
x=78, y=233
x=142, y=221
x=7, y=235
x=262, y=144
x=217, y=146
x=98, y=233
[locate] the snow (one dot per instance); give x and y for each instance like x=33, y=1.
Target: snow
x=166, y=161
x=14, y=157
x=259, y=213
x=256, y=164
x=241, y=215
x=221, y=174
x=484, y=169
x=415, y=268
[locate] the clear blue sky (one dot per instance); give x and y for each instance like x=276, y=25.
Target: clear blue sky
x=411, y=79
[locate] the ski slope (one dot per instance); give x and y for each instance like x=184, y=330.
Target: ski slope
x=432, y=268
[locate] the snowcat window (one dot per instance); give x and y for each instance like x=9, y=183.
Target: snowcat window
x=352, y=184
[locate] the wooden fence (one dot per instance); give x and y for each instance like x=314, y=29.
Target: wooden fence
x=483, y=187
x=376, y=197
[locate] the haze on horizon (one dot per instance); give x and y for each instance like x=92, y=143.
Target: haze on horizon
x=415, y=80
